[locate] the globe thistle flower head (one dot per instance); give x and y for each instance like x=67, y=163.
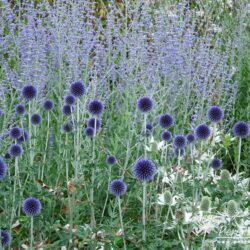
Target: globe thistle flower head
x=32, y=206
x=3, y=169
x=67, y=110
x=89, y=132
x=215, y=114
x=92, y=123
x=145, y=104
x=149, y=127
x=48, y=105
x=20, y=109
x=225, y=175
x=95, y=107
x=15, y=133
x=7, y=155
x=77, y=89
x=69, y=100
x=118, y=187
x=190, y=138
x=180, y=141
x=241, y=129
x=166, y=121
x=216, y=163
x=36, y=119
x=202, y=131
x=5, y=238
x=15, y=150
x=24, y=137
x=29, y=92
x=166, y=136
x=144, y=170
x=179, y=152
x=205, y=203
x=67, y=127
x=111, y=160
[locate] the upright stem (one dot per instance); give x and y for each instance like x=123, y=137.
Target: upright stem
x=238, y=162
x=121, y=221
x=144, y=211
x=145, y=136
x=31, y=232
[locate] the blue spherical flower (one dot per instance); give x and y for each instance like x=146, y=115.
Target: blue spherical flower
x=48, y=105
x=20, y=109
x=3, y=168
x=117, y=187
x=166, y=136
x=5, y=238
x=7, y=155
x=190, y=138
x=32, y=206
x=36, y=119
x=70, y=100
x=179, y=152
x=67, y=127
x=202, y=131
x=91, y=123
x=95, y=107
x=215, y=114
x=180, y=141
x=77, y=89
x=67, y=109
x=111, y=160
x=166, y=121
x=24, y=137
x=144, y=170
x=15, y=133
x=149, y=127
x=15, y=150
x=29, y=92
x=145, y=104
x=216, y=163
x=89, y=132
x=241, y=129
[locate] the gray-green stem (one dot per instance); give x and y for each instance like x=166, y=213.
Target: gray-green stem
x=122, y=226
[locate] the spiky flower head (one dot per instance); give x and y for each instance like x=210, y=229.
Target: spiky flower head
x=77, y=89
x=15, y=133
x=149, y=127
x=205, y=203
x=117, y=187
x=145, y=104
x=241, y=129
x=32, y=206
x=180, y=141
x=36, y=119
x=225, y=175
x=168, y=197
x=215, y=114
x=190, y=138
x=95, y=107
x=67, y=127
x=89, y=132
x=232, y=208
x=166, y=135
x=15, y=150
x=24, y=137
x=7, y=155
x=5, y=238
x=3, y=169
x=70, y=100
x=29, y=92
x=67, y=110
x=202, y=131
x=48, y=105
x=111, y=160
x=144, y=170
x=216, y=163
x=92, y=122
x=20, y=109
x=166, y=121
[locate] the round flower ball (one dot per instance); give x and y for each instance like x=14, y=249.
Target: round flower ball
x=77, y=89
x=7, y=155
x=69, y=100
x=32, y=206
x=48, y=105
x=67, y=110
x=215, y=114
x=216, y=163
x=180, y=141
x=144, y=170
x=145, y=104
x=202, y=131
x=179, y=152
x=166, y=136
x=89, y=132
x=190, y=138
x=15, y=150
x=95, y=107
x=24, y=137
x=149, y=127
x=20, y=109
x=67, y=127
x=241, y=129
x=117, y=187
x=5, y=238
x=36, y=119
x=92, y=123
x=29, y=92
x=15, y=133
x=166, y=121
x=3, y=169
x=111, y=160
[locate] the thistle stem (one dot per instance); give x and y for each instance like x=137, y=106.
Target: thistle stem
x=144, y=211
x=122, y=226
x=238, y=161
x=31, y=232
